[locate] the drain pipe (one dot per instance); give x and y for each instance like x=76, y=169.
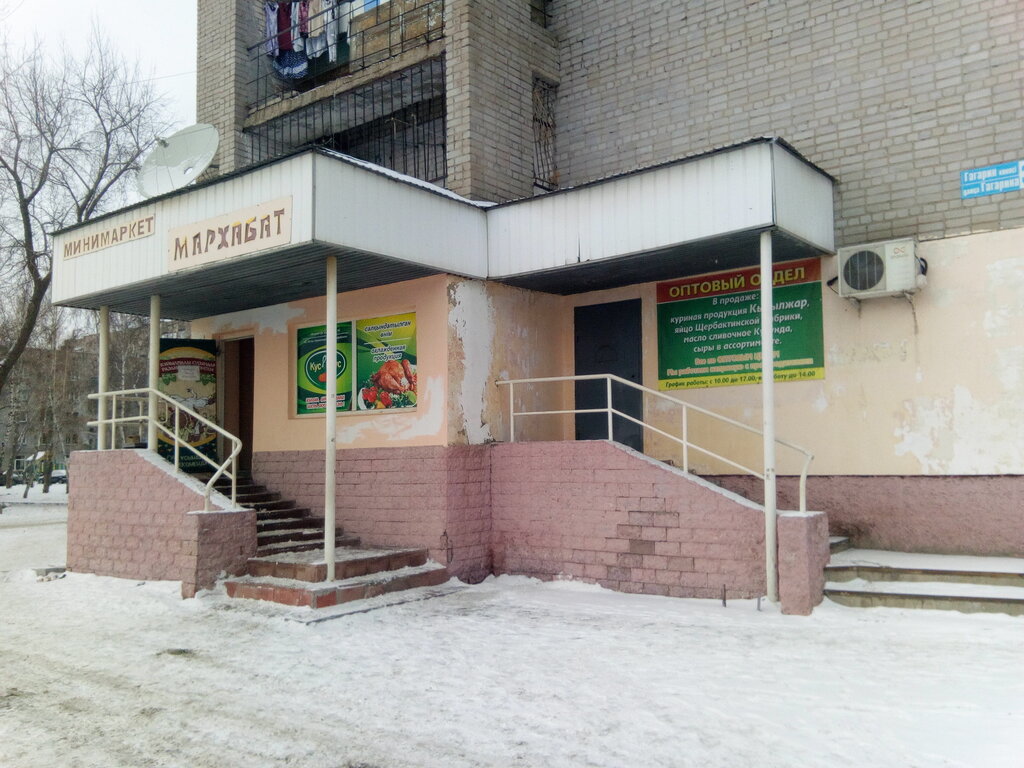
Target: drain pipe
x=331, y=411
x=768, y=415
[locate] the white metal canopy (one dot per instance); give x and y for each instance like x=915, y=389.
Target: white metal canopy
x=694, y=215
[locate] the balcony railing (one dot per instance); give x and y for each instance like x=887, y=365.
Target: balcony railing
x=307, y=52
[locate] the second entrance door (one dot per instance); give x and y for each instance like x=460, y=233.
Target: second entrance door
x=608, y=340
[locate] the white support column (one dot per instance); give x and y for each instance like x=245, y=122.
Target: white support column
x=103, y=377
x=331, y=411
x=768, y=415
x=154, y=368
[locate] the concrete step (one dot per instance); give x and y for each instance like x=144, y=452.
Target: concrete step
x=279, y=547
x=349, y=562
x=249, y=499
x=838, y=543
x=307, y=532
x=279, y=513
x=942, y=596
x=261, y=506
x=327, y=594
x=283, y=523
x=865, y=578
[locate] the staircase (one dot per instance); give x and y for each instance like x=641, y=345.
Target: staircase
x=289, y=566
x=869, y=578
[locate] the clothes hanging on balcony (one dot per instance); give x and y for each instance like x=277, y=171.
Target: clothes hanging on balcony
x=328, y=19
x=270, y=43
x=286, y=23
x=291, y=65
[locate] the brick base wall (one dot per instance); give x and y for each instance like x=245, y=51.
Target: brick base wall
x=436, y=497
x=590, y=510
x=130, y=516
x=602, y=513
x=978, y=515
x=803, y=553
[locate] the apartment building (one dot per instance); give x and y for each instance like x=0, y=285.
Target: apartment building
x=509, y=196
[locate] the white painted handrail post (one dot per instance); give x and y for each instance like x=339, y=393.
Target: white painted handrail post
x=102, y=378
x=154, y=368
x=511, y=413
x=331, y=411
x=611, y=434
x=686, y=440
x=768, y=415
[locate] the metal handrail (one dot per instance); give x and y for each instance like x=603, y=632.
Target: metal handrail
x=142, y=395
x=684, y=441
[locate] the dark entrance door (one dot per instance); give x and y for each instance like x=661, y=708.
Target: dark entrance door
x=239, y=374
x=608, y=341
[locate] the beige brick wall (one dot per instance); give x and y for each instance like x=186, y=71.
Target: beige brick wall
x=892, y=97
x=493, y=52
x=225, y=71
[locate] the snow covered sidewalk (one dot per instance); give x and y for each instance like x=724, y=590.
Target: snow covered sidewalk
x=104, y=672
x=33, y=532
x=98, y=672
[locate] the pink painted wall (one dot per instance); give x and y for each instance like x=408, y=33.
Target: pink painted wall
x=605, y=514
x=407, y=497
x=131, y=517
x=973, y=515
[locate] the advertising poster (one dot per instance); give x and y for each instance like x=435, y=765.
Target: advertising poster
x=311, y=368
x=386, y=362
x=188, y=374
x=709, y=327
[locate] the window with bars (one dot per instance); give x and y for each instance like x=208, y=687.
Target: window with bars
x=545, y=170
x=540, y=12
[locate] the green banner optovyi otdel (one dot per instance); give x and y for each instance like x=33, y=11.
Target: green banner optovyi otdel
x=709, y=327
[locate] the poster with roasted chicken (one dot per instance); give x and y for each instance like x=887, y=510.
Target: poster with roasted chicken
x=386, y=362
x=188, y=375
x=311, y=370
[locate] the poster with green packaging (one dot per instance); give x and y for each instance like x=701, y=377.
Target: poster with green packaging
x=311, y=368
x=386, y=362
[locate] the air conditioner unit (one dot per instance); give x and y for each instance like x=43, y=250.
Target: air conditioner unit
x=890, y=268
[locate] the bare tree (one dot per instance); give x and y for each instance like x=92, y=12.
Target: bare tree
x=71, y=132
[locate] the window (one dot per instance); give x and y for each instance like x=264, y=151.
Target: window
x=545, y=171
x=540, y=12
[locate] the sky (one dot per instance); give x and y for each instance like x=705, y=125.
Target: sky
x=160, y=34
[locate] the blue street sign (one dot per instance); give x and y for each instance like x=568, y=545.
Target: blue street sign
x=992, y=180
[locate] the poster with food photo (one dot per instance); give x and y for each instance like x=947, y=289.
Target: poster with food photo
x=188, y=375
x=311, y=369
x=386, y=362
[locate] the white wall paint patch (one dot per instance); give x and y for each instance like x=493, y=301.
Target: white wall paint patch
x=1010, y=369
x=1005, y=289
x=820, y=403
x=472, y=320
x=960, y=435
x=274, y=319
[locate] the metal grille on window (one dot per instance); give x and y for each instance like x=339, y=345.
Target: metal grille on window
x=398, y=121
x=540, y=12
x=545, y=171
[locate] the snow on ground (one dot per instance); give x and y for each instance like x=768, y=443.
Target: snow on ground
x=98, y=672
x=33, y=534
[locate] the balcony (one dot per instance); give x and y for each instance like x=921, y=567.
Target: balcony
x=337, y=43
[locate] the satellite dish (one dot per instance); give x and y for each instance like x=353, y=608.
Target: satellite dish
x=177, y=160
